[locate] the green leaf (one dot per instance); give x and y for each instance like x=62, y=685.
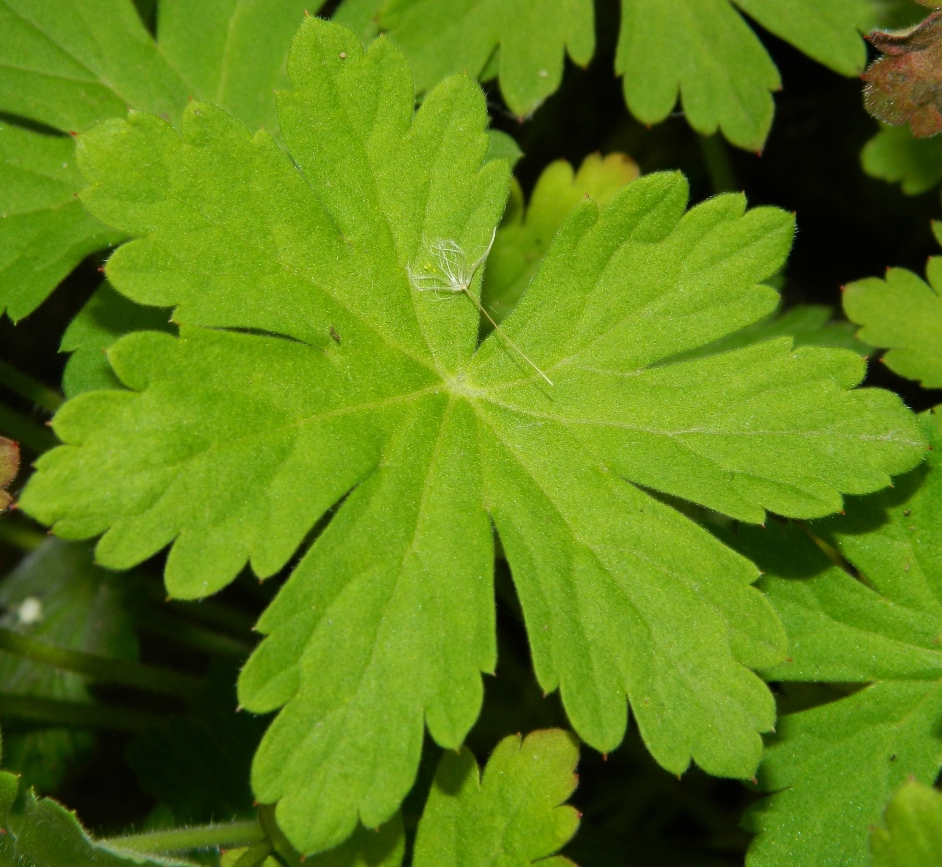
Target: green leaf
x=58, y=595
x=530, y=39
x=834, y=767
x=513, y=816
x=704, y=53
x=71, y=63
x=106, y=317
x=902, y=312
x=525, y=234
x=317, y=365
x=805, y=324
x=894, y=155
x=44, y=230
x=913, y=833
x=9, y=466
x=46, y=834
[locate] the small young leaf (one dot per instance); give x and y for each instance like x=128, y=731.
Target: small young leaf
x=513, y=816
x=318, y=364
x=905, y=85
x=48, y=835
x=9, y=466
x=894, y=155
x=528, y=39
x=58, y=595
x=902, y=312
x=912, y=836
x=524, y=235
x=833, y=767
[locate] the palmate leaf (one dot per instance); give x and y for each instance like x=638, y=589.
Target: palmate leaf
x=312, y=370
x=68, y=64
x=904, y=313
x=834, y=767
x=700, y=51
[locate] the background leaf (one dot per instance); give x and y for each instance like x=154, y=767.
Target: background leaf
x=913, y=832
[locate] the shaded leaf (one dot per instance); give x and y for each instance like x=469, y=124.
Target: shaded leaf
x=46, y=834
x=528, y=39
x=704, y=54
x=317, y=365
x=58, y=595
x=912, y=836
x=905, y=85
x=106, y=317
x=894, y=155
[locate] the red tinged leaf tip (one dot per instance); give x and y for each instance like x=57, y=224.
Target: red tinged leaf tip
x=754, y=781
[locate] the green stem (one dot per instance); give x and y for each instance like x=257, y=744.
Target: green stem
x=16, y=535
x=208, y=611
x=76, y=714
x=27, y=433
x=29, y=388
x=195, y=636
x=227, y=836
x=101, y=668
x=718, y=164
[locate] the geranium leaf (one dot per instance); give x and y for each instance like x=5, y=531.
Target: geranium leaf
x=530, y=39
x=904, y=313
x=833, y=767
x=912, y=835
x=70, y=64
x=359, y=259
x=513, y=815
x=9, y=466
x=700, y=51
x=705, y=53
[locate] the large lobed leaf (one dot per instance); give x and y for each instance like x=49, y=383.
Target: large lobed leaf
x=68, y=64
x=313, y=371
x=701, y=52
x=834, y=767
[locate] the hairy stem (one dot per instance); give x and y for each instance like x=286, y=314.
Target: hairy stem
x=101, y=668
x=29, y=388
x=225, y=836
